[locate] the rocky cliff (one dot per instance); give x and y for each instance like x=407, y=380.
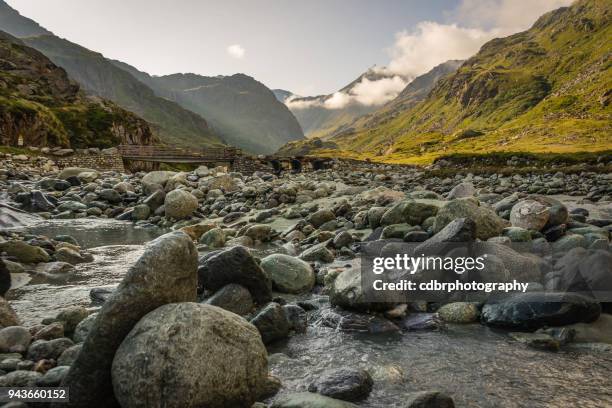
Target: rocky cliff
x=41, y=106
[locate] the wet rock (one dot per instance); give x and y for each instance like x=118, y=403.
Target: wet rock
x=428, y=399
x=288, y=274
x=155, y=200
x=190, y=355
x=195, y=231
x=165, y=273
x=584, y=271
x=488, y=224
x=533, y=310
x=234, y=298
x=71, y=256
x=346, y=292
x=459, y=312
x=180, y=204
x=297, y=318
x=272, y=323
x=310, y=400
x=235, y=265
x=422, y=322
x=24, y=252
x=40, y=203
x=342, y=239
x=357, y=323
x=344, y=384
x=141, y=212
x=540, y=341
x=14, y=339
x=51, y=349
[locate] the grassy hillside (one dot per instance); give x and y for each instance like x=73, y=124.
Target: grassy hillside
x=547, y=89
x=41, y=106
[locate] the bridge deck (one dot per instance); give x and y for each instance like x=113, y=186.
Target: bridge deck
x=177, y=155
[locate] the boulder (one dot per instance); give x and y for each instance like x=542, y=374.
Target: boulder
x=24, y=252
x=165, y=273
x=459, y=312
x=48, y=349
x=320, y=217
x=529, y=214
x=235, y=265
x=462, y=190
x=180, y=204
x=348, y=384
x=272, y=323
x=14, y=339
x=214, y=238
x=346, y=291
x=74, y=171
x=488, y=224
x=190, y=355
x=409, y=212
x=533, y=310
x=234, y=298
x=259, y=232
x=157, y=177
x=288, y=274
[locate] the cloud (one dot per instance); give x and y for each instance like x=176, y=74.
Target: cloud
x=514, y=15
x=474, y=22
x=236, y=51
x=416, y=52
x=366, y=92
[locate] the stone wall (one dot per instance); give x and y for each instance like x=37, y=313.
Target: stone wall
x=249, y=165
x=101, y=161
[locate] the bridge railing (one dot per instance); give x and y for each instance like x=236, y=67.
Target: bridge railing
x=170, y=152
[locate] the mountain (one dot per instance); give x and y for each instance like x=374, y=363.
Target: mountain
x=547, y=89
x=41, y=106
x=98, y=76
x=416, y=91
x=282, y=95
x=327, y=115
x=240, y=109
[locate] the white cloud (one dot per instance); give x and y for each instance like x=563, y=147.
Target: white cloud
x=414, y=53
x=476, y=22
x=236, y=51
x=366, y=92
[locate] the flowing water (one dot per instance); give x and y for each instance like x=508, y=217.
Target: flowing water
x=478, y=366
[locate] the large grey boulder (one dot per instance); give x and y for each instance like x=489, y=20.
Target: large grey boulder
x=462, y=190
x=180, y=204
x=289, y=274
x=165, y=273
x=410, y=212
x=348, y=384
x=190, y=355
x=157, y=177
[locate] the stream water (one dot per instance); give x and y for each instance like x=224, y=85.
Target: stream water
x=477, y=366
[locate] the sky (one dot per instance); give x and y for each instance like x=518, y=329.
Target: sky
x=307, y=47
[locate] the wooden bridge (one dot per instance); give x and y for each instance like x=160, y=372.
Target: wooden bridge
x=169, y=154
